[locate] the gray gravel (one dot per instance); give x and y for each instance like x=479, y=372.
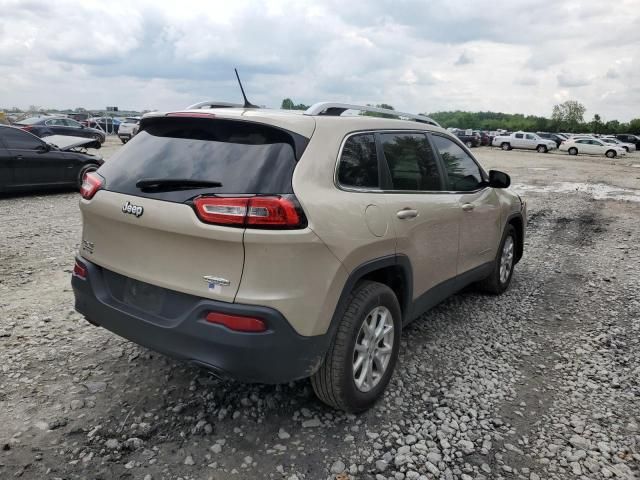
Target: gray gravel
x=542, y=382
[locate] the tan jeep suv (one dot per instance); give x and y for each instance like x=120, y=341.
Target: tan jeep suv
x=274, y=245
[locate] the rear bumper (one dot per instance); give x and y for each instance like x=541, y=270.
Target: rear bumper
x=179, y=330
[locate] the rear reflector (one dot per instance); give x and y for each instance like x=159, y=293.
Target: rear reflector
x=236, y=322
x=91, y=183
x=80, y=271
x=259, y=212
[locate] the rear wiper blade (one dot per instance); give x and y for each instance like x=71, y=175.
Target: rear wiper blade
x=174, y=184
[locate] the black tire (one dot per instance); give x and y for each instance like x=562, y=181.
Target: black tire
x=123, y=140
x=573, y=151
x=84, y=170
x=468, y=143
x=626, y=149
x=333, y=383
x=505, y=146
x=610, y=154
x=542, y=149
x=493, y=284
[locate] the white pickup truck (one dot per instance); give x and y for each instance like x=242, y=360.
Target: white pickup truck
x=525, y=140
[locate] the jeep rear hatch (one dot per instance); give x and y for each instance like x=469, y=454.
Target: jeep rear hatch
x=173, y=203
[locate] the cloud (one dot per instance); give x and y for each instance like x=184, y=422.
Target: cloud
x=161, y=54
x=572, y=80
x=464, y=59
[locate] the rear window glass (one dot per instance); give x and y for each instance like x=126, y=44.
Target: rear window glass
x=245, y=157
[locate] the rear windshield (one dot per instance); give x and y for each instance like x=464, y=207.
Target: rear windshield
x=245, y=157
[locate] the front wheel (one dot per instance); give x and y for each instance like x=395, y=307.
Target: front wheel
x=500, y=278
x=611, y=154
x=363, y=354
x=468, y=144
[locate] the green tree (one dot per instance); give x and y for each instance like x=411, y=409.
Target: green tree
x=380, y=115
x=569, y=114
x=287, y=104
x=634, y=126
x=596, y=124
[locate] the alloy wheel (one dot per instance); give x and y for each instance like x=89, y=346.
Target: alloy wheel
x=372, y=352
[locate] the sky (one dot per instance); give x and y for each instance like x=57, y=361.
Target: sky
x=519, y=56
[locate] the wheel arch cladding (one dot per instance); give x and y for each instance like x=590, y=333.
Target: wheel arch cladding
x=392, y=270
x=517, y=223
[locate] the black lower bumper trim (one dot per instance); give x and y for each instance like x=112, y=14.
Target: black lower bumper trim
x=278, y=355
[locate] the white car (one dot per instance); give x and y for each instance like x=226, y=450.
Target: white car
x=525, y=140
x=629, y=147
x=128, y=128
x=592, y=146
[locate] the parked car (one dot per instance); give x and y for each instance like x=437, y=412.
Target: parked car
x=524, y=140
x=107, y=125
x=628, y=138
x=128, y=128
x=629, y=147
x=485, y=138
x=593, y=146
x=46, y=126
x=29, y=163
x=211, y=267
x=467, y=137
x=556, y=137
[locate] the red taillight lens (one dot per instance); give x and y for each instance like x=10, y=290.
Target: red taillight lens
x=236, y=322
x=272, y=211
x=80, y=270
x=267, y=212
x=91, y=183
x=26, y=128
x=222, y=211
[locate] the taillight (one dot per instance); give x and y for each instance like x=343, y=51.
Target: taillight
x=27, y=128
x=237, y=323
x=257, y=212
x=80, y=270
x=91, y=183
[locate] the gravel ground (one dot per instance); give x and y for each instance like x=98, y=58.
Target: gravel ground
x=541, y=382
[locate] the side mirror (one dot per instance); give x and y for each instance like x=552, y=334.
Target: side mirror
x=43, y=148
x=498, y=179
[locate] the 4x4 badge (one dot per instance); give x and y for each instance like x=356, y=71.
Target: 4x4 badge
x=132, y=209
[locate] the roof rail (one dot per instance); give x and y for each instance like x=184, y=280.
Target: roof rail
x=337, y=109
x=214, y=104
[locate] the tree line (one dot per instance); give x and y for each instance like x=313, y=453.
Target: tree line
x=566, y=117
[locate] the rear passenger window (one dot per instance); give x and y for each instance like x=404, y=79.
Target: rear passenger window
x=463, y=172
x=411, y=162
x=359, y=162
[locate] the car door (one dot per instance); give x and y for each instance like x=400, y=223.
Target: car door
x=56, y=126
x=584, y=146
x=74, y=128
x=531, y=141
x=518, y=140
x=481, y=214
x=34, y=163
x=425, y=218
x=6, y=166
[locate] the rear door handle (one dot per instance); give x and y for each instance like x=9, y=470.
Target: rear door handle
x=407, y=213
x=19, y=157
x=467, y=207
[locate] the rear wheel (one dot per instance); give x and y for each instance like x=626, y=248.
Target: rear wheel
x=500, y=277
x=542, y=149
x=611, y=154
x=573, y=151
x=362, y=356
x=506, y=146
x=468, y=143
x=83, y=171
